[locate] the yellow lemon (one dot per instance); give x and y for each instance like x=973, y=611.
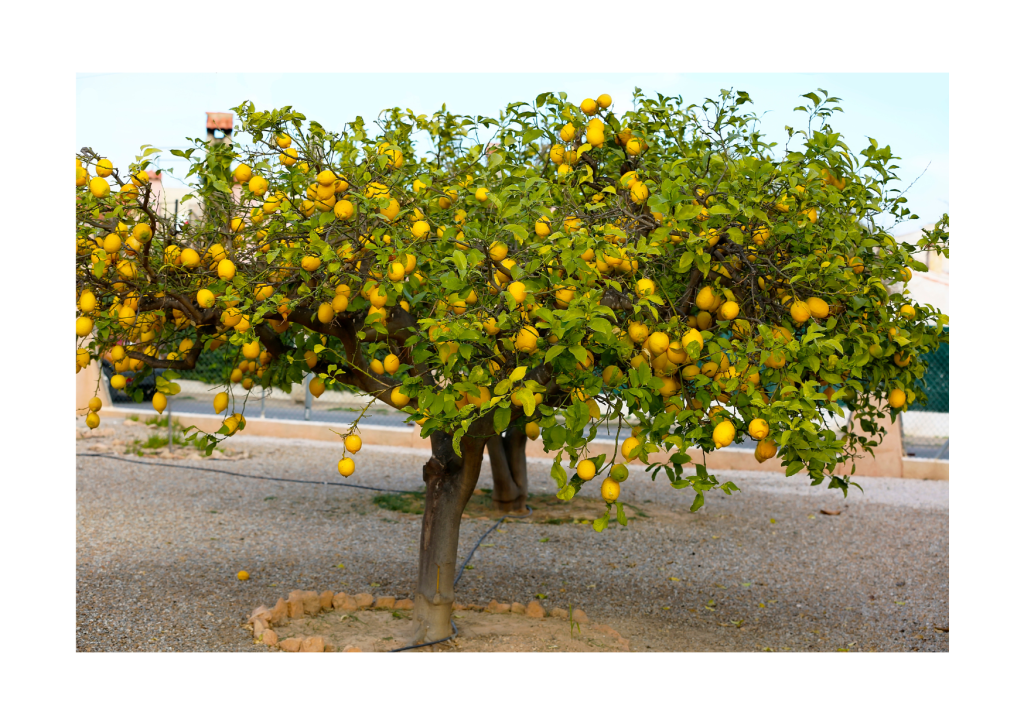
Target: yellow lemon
x=346, y=466
x=723, y=434
x=758, y=429
x=353, y=443
x=225, y=269
x=610, y=490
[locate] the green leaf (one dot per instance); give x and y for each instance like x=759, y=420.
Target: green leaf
x=460, y=260
x=553, y=352
x=501, y=419
x=698, y=502
x=518, y=373
x=557, y=472
x=455, y=442
x=517, y=230
x=620, y=514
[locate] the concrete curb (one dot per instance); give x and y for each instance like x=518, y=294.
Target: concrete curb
x=409, y=438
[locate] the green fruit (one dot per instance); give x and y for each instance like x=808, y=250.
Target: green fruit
x=875, y=350
x=619, y=473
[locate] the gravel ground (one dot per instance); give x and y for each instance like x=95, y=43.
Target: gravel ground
x=158, y=550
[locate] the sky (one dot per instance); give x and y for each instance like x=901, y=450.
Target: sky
x=119, y=112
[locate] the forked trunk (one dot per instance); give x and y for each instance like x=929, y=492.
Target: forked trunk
x=450, y=481
x=508, y=469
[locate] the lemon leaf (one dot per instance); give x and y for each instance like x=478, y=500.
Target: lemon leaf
x=518, y=374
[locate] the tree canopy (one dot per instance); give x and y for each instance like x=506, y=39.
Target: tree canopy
x=666, y=271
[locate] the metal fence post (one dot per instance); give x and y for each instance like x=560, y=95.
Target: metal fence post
x=170, y=428
x=263, y=402
x=309, y=395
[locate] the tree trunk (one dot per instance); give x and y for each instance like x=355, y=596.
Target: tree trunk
x=508, y=469
x=450, y=481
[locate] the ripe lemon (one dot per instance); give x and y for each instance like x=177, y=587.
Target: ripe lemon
x=609, y=490
x=310, y=263
x=532, y=430
x=117, y=381
x=564, y=296
x=396, y=271
x=766, y=449
x=644, y=287
x=391, y=363
x=481, y=194
x=87, y=301
x=526, y=339
x=723, y=434
x=225, y=269
x=657, y=343
x=95, y=404
x=220, y=402
x=633, y=146
x=568, y=132
x=758, y=429
x=316, y=386
x=897, y=398
x=344, y=209
x=518, y=291
x=346, y=466
x=243, y=575
x=586, y=470
x=498, y=251
x=638, y=332
x=818, y=307
x=92, y=420
x=595, y=133
x=589, y=106
x=705, y=298
x=631, y=448
x=729, y=310
x=159, y=402
x=205, y=298
x=251, y=350
x=99, y=187
x=800, y=312
x=639, y=191
x=604, y=100
x=83, y=326
x=258, y=186
x=908, y=312
x=542, y=227
x=398, y=398
x=420, y=229
x=353, y=443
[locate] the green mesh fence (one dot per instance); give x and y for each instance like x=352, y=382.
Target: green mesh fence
x=936, y=381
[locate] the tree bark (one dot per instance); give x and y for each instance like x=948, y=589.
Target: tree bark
x=508, y=469
x=450, y=481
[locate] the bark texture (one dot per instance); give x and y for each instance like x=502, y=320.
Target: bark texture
x=450, y=481
x=508, y=469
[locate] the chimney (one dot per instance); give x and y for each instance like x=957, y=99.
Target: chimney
x=219, y=127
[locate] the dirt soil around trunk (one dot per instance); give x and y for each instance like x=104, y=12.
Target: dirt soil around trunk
x=382, y=630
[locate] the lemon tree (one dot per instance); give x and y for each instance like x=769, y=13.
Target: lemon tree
x=665, y=276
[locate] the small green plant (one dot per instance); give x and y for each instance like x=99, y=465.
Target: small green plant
x=405, y=503
x=573, y=624
x=156, y=441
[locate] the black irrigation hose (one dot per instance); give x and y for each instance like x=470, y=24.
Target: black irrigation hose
x=337, y=484
x=249, y=476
